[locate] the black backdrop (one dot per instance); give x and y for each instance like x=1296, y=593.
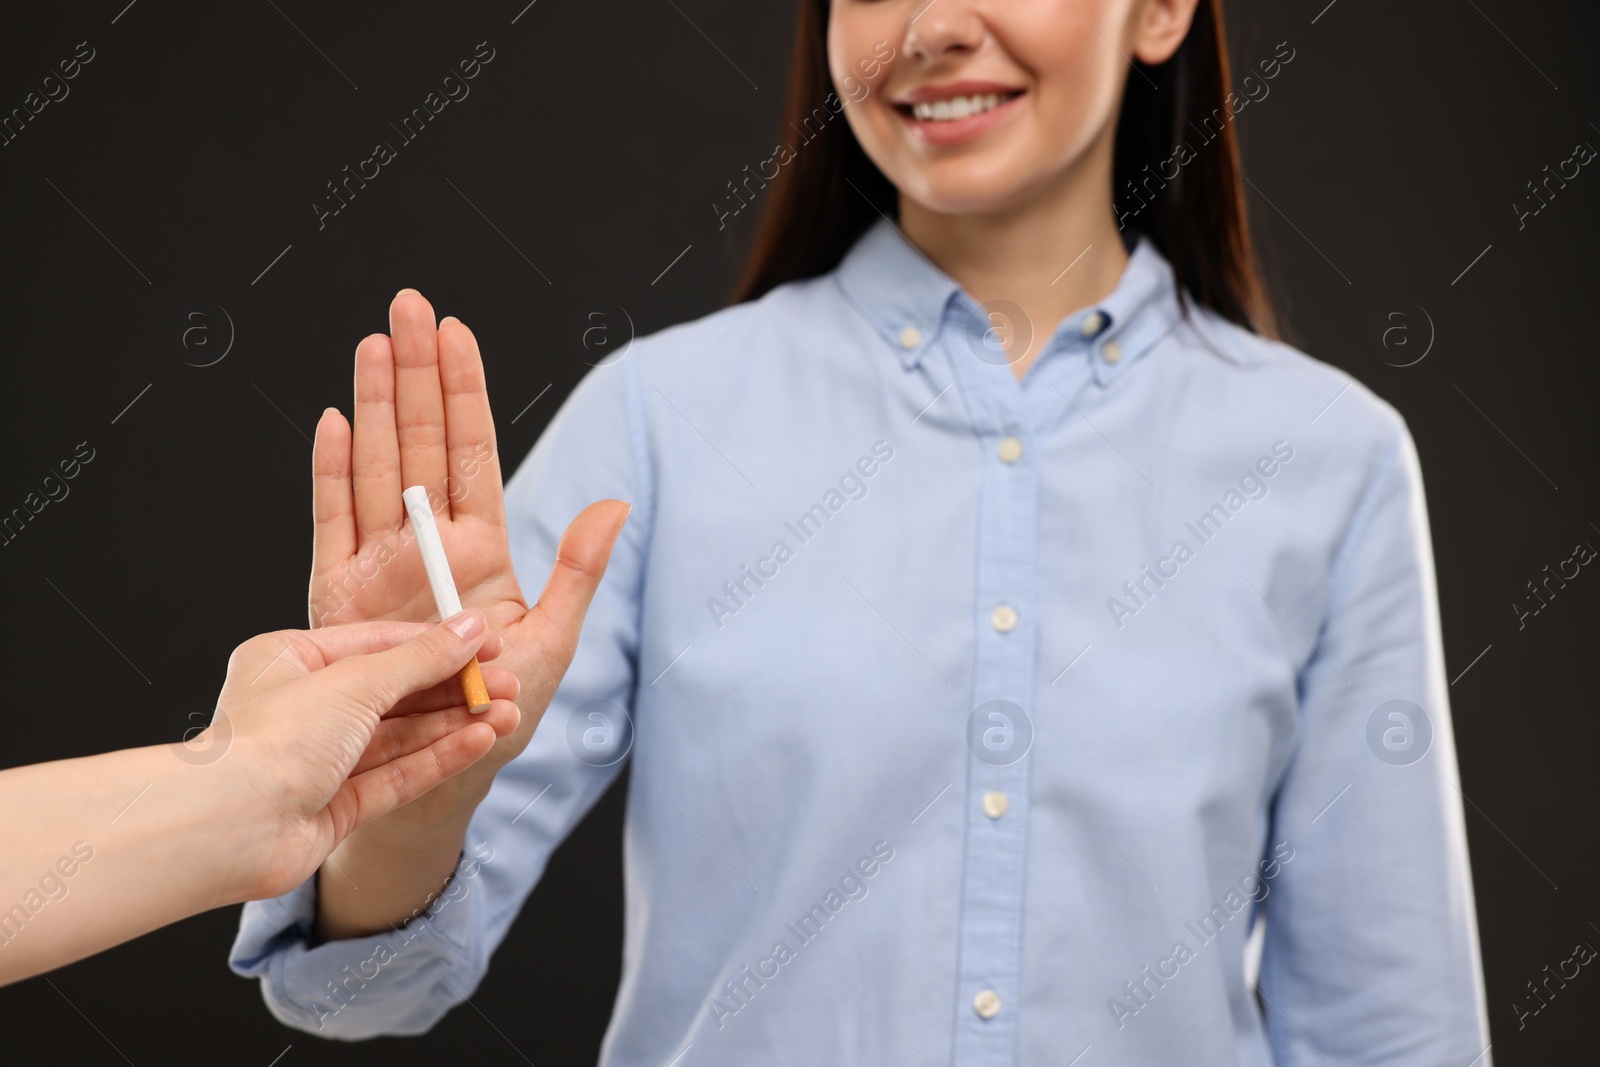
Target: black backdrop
x=183, y=166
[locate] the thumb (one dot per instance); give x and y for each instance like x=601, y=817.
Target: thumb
x=380, y=680
x=581, y=559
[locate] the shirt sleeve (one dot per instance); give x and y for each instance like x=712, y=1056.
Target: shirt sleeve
x=1370, y=953
x=404, y=981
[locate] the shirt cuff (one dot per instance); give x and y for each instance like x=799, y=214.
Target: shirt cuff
x=399, y=982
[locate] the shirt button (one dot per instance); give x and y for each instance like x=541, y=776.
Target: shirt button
x=1092, y=324
x=986, y=1004
x=1010, y=449
x=995, y=804
x=1003, y=618
x=910, y=337
x=1112, y=351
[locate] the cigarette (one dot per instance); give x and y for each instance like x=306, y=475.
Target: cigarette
x=444, y=586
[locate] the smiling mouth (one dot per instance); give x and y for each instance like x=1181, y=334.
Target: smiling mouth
x=956, y=108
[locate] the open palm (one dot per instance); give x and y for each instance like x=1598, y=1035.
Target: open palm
x=422, y=417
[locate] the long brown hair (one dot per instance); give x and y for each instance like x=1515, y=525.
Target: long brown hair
x=829, y=192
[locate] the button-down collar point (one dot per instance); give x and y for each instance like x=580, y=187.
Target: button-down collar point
x=894, y=285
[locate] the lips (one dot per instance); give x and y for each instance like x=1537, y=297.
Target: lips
x=956, y=112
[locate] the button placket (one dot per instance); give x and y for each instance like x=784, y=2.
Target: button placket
x=996, y=811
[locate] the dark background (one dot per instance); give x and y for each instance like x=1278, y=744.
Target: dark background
x=588, y=155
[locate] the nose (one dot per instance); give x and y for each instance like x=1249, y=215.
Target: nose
x=943, y=29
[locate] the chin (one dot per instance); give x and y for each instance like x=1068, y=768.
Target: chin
x=971, y=188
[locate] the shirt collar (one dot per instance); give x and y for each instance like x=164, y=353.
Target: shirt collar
x=905, y=298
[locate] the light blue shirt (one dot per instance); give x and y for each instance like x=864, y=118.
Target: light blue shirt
x=976, y=721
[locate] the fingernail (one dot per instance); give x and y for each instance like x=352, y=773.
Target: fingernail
x=465, y=624
x=404, y=291
x=329, y=411
x=448, y=318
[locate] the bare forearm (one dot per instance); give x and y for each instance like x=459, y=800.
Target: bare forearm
x=103, y=849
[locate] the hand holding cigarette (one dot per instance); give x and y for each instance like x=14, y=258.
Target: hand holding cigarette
x=315, y=734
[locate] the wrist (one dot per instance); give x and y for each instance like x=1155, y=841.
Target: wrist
x=403, y=861
x=260, y=852
x=209, y=834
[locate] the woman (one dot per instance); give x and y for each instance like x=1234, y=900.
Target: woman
x=1007, y=623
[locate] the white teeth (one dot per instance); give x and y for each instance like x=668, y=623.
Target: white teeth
x=959, y=107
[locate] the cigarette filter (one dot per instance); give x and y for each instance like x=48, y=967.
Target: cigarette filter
x=443, y=585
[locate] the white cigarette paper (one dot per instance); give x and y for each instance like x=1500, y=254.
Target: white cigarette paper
x=443, y=584
x=433, y=559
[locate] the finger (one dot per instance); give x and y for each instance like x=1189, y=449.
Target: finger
x=319, y=648
x=501, y=683
x=383, y=789
x=399, y=737
x=269, y=660
x=419, y=404
x=474, y=473
x=375, y=460
x=316, y=649
x=381, y=680
x=332, y=501
x=581, y=559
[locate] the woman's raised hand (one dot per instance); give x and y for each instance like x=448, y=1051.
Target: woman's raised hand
x=422, y=417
